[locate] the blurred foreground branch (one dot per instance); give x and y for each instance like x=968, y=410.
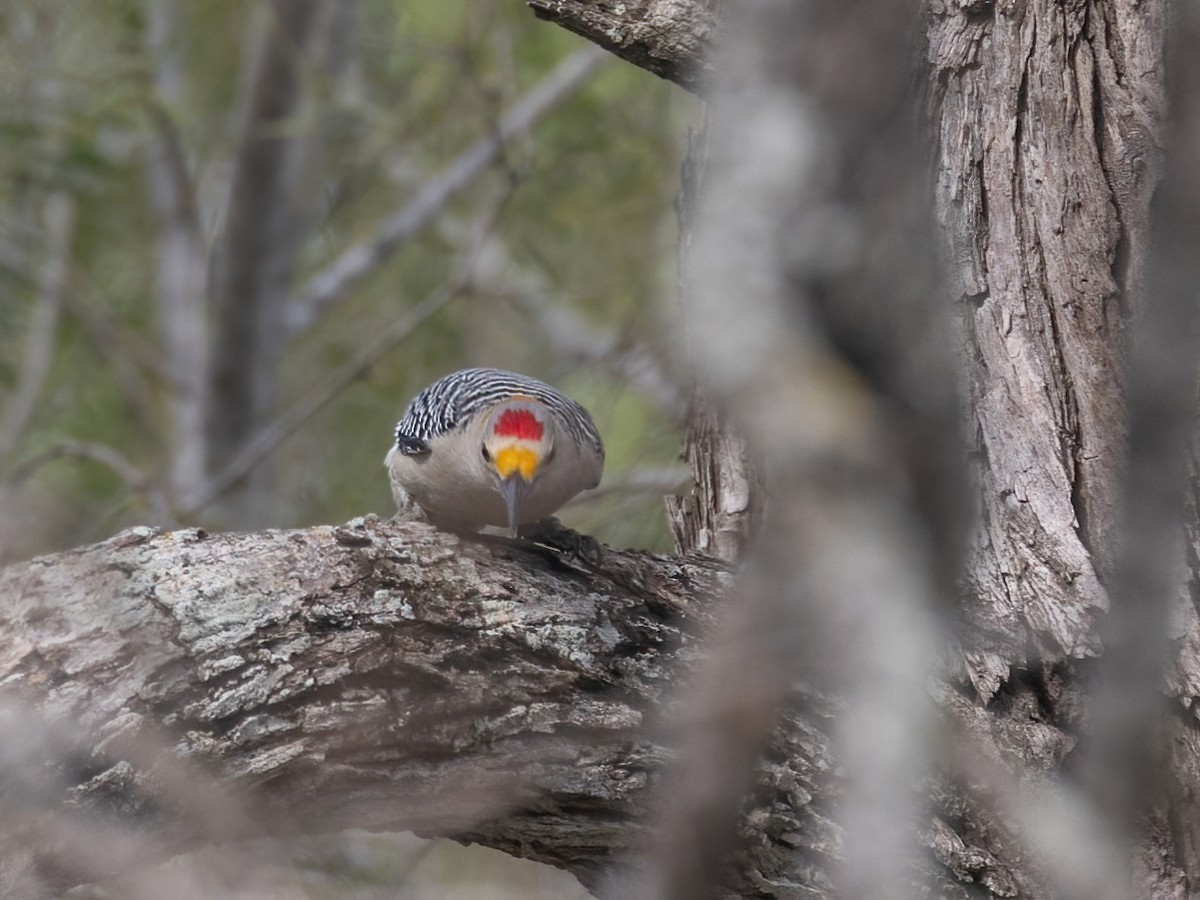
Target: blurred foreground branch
x=823, y=334
x=818, y=329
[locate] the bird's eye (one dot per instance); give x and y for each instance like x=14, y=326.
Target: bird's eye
x=486, y=455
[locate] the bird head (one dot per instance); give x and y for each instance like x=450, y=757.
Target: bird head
x=518, y=440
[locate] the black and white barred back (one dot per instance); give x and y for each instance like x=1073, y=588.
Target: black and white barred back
x=452, y=401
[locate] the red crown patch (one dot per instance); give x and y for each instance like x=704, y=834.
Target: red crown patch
x=520, y=424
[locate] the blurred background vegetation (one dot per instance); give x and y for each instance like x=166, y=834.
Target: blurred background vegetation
x=150, y=159
x=185, y=186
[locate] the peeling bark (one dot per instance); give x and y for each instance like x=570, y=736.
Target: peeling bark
x=1043, y=217
x=723, y=511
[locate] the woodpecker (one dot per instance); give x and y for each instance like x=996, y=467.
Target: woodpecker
x=490, y=447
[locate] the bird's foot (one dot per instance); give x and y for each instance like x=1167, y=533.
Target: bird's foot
x=553, y=534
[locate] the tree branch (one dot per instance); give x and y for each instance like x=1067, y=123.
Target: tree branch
x=671, y=38
x=138, y=370
x=570, y=336
x=259, y=446
x=164, y=690
x=112, y=459
x=380, y=675
x=817, y=327
x=333, y=282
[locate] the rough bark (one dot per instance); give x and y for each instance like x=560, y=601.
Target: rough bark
x=386, y=667
x=671, y=38
x=722, y=512
x=378, y=675
x=1049, y=126
x=164, y=690
x=1046, y=124
x=1046, y=118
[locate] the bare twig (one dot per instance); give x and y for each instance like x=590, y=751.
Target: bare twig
x=137, y=366
x=841, y=585
x=109, y=457
x=266, y=439
x=632, y=362
x=571, y=336
x=59, y=215
x=647, y=480
x=334, y=282
x=13, y=261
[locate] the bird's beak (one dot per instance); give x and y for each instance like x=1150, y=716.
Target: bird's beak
x=514, y=490
x=517, y=467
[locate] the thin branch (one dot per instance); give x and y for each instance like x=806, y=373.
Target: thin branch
x=572, y=336
x=647, y=480
x=632, y=362
x=109, y=457
x=263, y=442
x=356, y=263
x=59, y=216
x=13, y=262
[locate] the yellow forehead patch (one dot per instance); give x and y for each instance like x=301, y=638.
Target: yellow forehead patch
x=512, y=460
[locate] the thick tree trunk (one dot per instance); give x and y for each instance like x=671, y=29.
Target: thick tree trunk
x=1050, y=120
x=1047, y=119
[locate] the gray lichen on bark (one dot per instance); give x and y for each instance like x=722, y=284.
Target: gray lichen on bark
x=377, y=675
